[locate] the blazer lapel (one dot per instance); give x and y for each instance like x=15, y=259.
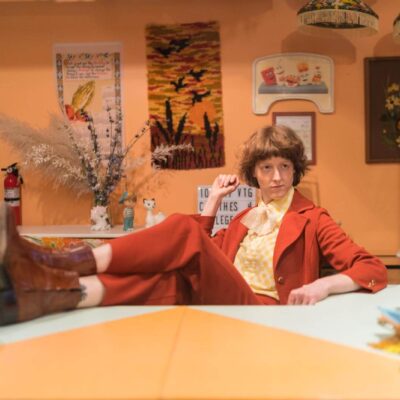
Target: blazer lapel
x=237, y=233
x=292, y=226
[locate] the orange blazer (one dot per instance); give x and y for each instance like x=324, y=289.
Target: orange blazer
x=307, y=237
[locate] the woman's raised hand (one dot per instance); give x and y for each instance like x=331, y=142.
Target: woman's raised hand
x=224, y=185
x=221, y=187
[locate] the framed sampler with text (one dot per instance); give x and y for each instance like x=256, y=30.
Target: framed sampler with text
x=303, y=123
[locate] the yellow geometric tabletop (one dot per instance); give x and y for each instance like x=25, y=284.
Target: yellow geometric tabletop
x=186, y=353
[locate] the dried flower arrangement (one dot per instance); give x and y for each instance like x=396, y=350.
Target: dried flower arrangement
x=391, y=117
x=80, y=163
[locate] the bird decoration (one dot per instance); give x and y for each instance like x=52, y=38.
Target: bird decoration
x=179, y=84
x=180, y=44
x=197, y=74
x=198, y=97
x=175, y=45
x=165, y=51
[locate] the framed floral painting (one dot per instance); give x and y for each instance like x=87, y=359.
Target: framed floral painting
x=382, y=109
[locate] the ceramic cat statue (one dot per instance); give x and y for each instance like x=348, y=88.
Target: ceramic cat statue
x=100, y=219
x=151, y=218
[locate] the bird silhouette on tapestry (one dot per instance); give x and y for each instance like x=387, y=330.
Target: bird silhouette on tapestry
x=179, y=84
x=175, y=46
x=165, y=51
x=197, y=74
x=179, y=44
x=198, y=97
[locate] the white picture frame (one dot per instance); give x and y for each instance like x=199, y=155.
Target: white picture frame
x=287, y=76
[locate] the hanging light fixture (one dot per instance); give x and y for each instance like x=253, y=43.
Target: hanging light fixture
x=396, y=28
x=339, y=14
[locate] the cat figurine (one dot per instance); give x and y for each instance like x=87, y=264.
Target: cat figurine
x=100, y=219
x=151, y=218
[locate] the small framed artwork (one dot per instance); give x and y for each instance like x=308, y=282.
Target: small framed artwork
x=303, y=123
x=382, y=109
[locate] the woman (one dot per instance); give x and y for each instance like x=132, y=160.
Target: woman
x=270, y=254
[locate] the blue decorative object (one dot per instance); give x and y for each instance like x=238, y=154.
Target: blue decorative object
x=129, y=201
x=390, y=313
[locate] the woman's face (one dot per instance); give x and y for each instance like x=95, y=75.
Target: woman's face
x=275, y=177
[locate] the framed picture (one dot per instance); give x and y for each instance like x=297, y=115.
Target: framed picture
x=287, y=76
x=303, y=123
x=88, y=81
x=382, y=109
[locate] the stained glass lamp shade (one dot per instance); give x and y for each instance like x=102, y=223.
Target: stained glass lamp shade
x=339, y=14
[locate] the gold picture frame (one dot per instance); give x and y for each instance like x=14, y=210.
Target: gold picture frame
x=382, y=109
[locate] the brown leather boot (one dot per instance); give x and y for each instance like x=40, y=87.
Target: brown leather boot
x=79, y=259
x=27, y=289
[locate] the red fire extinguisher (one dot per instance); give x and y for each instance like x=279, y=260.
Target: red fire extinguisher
x=12, y=190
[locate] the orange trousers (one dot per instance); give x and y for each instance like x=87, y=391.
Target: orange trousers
x=174, y=263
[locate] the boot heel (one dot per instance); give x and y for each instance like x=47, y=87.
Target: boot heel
x=8, y=301
x=8, y=308
x=4, y=281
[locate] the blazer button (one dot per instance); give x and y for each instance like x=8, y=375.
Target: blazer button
x=281, y=280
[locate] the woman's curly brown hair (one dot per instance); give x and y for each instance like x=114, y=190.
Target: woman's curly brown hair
x=272, y=141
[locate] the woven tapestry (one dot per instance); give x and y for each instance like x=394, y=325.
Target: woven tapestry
x=185, y=96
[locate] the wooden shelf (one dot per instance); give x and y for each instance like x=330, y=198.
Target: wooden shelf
x=72, y=231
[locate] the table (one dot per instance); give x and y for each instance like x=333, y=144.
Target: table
x=247, y=352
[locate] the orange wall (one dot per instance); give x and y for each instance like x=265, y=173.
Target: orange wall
x=365, y=198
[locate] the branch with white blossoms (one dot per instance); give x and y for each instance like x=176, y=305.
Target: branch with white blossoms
x=46, y=150
x=75, y=159
x=138, y=180
x=44, y=157
x=161, y=153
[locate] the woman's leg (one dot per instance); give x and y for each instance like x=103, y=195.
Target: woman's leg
x=108, y=290
x=187, y=263
x=173, y=244
x=102, y=256
x=178, y=253
x=174, y=262
x=92, y=291
x=168, y=288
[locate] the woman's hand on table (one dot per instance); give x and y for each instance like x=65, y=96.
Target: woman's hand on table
x=318, y=290
x=309, y=294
